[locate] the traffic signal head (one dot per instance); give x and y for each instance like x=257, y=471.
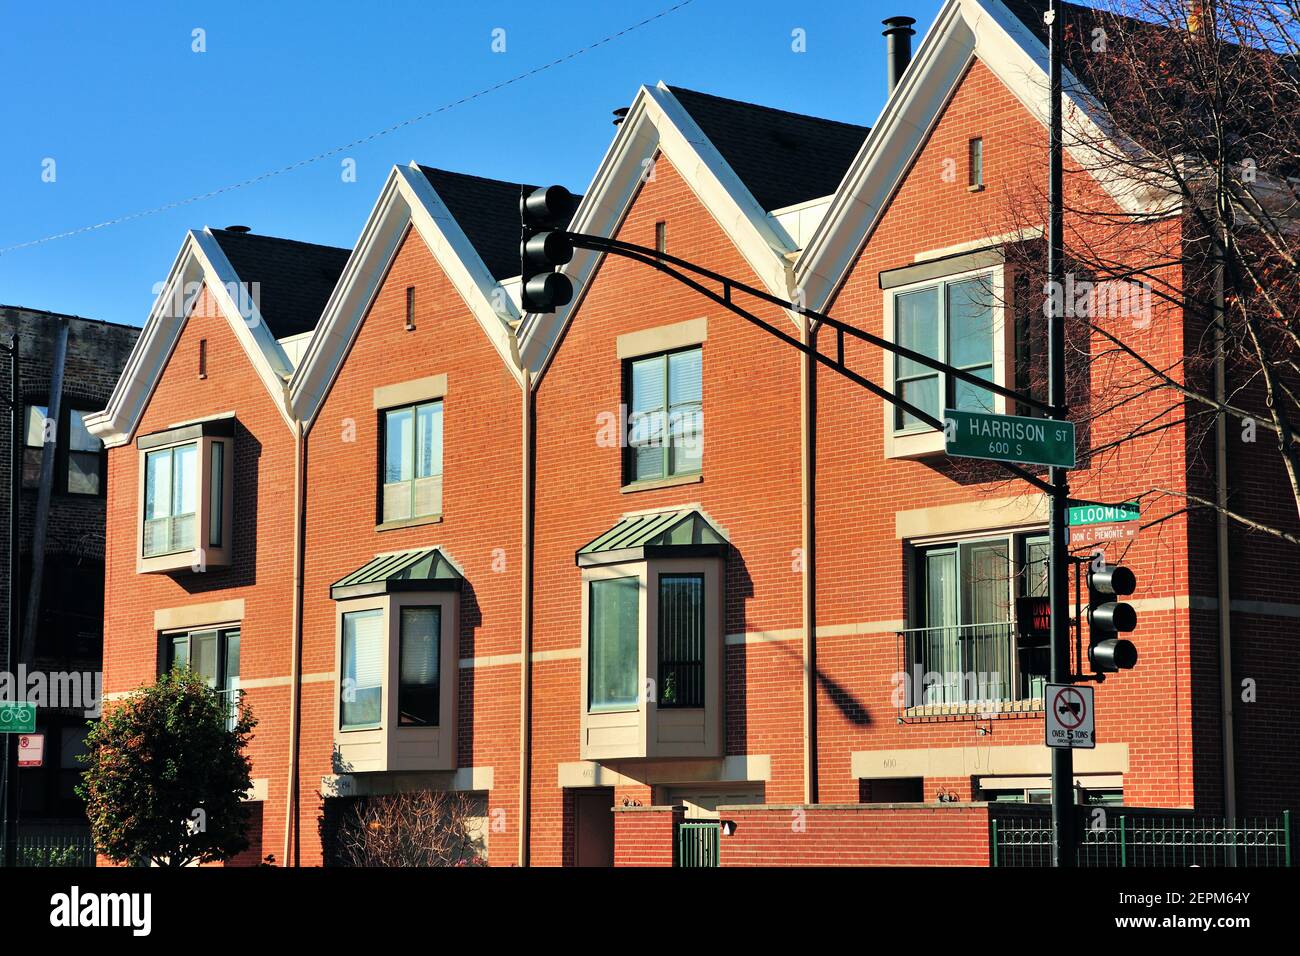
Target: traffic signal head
x=1108, y=618
x=543, y=214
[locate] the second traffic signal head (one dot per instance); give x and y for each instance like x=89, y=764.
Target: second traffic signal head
x=1107, y=618
x=543, y=214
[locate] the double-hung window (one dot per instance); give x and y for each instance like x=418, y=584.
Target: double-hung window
x=665, y=402
x=412, y=462
x=171, y=499
x=615, y=616
x=963, y=646
x=213, y=654
x=951, y=321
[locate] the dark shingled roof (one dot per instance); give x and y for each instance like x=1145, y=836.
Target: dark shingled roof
x=783, y=158
x=488, y=213
x=294, y=279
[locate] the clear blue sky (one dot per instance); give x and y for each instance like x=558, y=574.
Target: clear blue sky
x=134, y=119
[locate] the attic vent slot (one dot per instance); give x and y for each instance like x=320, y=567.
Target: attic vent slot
x=203, y=358
x=410, y=308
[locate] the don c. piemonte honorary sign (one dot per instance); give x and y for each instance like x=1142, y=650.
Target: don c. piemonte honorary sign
x=1028, y=441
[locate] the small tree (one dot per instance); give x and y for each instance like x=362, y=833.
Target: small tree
x=420, y=828
x=167, y=773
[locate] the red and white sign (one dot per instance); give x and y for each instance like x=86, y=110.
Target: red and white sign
x=1070, y=717
x=31, y=750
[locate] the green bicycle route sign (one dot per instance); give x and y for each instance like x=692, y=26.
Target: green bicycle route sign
x=1027, y=441
x=19, y=718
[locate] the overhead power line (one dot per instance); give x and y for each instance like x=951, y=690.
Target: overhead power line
x=271, y=174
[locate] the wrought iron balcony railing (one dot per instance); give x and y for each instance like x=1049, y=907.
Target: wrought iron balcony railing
x=966, y=668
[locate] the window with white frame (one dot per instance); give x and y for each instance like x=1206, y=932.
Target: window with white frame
x=951, y=320
x=412, y=462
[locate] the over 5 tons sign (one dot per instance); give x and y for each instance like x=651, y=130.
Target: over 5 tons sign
x=1070, y=717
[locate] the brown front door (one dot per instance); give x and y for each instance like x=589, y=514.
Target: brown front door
x=593, y=827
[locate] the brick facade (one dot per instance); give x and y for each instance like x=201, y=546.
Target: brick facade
x=1158, y=723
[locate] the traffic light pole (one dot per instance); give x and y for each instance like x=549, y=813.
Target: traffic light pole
x=1064, y=815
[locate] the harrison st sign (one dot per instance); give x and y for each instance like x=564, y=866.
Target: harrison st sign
x=1028, y=441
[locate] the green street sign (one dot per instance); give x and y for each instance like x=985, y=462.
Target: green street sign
x=1028, y=441
x=1092, y=512
x=19, y=718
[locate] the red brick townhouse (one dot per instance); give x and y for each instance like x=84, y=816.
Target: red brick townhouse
x=919, y=558
x=647, y=619
x=412, y=396
x=667, y=594
x=203, y=449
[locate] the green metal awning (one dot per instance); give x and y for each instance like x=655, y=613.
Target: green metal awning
x=665, y=534
x=425, y=569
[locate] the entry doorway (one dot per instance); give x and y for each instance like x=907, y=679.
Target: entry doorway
x=593, y=827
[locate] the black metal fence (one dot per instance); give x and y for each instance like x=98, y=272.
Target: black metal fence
x=47, y=846
x=1115, y=837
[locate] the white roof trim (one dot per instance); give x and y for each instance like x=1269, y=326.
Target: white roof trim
x=407, y=199
x=200, y=260
x=656, y=121
x=962, y=31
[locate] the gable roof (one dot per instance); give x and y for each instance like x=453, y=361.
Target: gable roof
x=294, y=279
x=783, y=158
x=202, y=260
x=470, y=226
x=659, y=124
x=488, y=212
x=963, y=31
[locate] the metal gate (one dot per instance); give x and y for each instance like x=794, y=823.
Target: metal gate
x=697, y=843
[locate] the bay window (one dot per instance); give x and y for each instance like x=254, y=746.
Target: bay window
x=652, y=652
x=398, y=621
x=186, y=474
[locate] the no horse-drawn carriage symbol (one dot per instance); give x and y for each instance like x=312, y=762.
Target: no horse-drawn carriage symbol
x=1070, y=717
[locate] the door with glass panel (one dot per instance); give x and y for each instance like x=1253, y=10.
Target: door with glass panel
x=214, y=656
x=964, y=646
